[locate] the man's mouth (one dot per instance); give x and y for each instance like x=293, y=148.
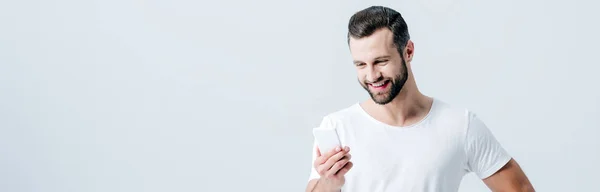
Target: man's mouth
x=380, y=85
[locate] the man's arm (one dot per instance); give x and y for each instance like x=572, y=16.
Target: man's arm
x=485, y=156
x=313, y=186
x=509, y=178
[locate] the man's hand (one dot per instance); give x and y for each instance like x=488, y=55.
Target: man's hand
x=331, y=166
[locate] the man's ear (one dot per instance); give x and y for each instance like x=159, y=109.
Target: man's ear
x=409, y=51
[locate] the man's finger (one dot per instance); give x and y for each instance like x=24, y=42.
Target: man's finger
x=320, y=158
x=347, y=156
x=345, y=169
x=336, y=167
x=333, y=152
x=318, y=151
x=323, y=158
x=333, y=159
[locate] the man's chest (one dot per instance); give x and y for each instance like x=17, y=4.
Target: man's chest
x=387, y=154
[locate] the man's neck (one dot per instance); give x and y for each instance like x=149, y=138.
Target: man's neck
x=406, y=109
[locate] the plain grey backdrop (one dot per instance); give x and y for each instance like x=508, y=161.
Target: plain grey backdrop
x=181, y=95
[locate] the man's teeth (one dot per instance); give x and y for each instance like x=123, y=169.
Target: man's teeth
x=378, y=84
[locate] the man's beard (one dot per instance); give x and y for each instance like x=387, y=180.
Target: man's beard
x=397, y=83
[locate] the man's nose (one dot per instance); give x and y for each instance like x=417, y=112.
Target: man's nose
x=373, y=75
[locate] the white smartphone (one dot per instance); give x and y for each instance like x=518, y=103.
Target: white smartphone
x=327, y=139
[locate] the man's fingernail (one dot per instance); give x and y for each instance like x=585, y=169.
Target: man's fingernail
x=337, y=149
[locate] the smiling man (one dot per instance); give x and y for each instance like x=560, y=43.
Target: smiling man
x=402, y=140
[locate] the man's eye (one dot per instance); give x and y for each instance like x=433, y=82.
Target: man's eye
x=381, y=62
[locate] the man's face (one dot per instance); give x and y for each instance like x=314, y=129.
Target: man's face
x=381, y=69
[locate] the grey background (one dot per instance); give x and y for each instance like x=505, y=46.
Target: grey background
x=184, y=95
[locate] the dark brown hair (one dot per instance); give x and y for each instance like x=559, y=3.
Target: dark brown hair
x=365, y=22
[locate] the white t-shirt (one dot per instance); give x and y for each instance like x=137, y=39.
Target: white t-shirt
x=431, y=155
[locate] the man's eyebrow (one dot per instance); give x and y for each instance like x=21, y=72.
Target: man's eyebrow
x=382, y=57
x=376, y=58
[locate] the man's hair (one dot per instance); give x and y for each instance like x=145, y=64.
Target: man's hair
x=365, y=22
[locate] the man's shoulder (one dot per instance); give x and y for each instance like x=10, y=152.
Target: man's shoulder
x=445, y=109
x=453, y=113
x=343, y=116
x=349, y=112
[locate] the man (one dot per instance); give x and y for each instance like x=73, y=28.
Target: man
x=401, y=139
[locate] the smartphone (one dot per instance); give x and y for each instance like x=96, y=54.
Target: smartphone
x=327, y=139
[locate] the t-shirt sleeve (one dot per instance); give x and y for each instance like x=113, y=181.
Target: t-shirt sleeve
x=485, y=155
x=325, y=123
